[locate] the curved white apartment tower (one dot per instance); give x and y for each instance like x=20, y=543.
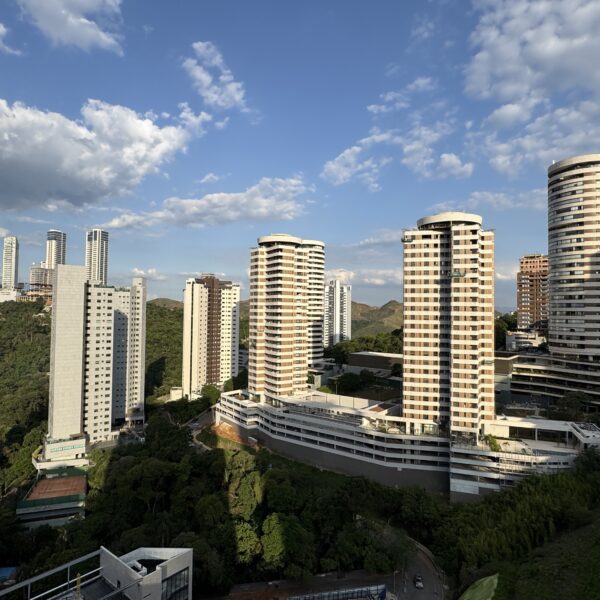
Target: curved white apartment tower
x=449, y=323
x=286, y=314
x=574, y=257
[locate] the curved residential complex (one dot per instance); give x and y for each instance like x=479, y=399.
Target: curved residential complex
x=574, y=256
x=574, y=286
x=442, y=433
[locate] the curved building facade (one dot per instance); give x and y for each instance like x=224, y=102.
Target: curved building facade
x=574, y=257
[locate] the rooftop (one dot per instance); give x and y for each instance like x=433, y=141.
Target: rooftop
x=57, y=487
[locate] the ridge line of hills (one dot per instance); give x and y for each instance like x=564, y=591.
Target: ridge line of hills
x=366, y=319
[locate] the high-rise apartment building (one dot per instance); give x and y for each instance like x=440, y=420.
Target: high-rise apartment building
x=449, y=323
x=574, y=257
x=338, y=313
x=573, y=285
x=56, y=249
x=97, y=366
x=315, y=288
x=210, y=333
x=532, y=292
x=10, y=263
x=96, y=255
x=286, y=314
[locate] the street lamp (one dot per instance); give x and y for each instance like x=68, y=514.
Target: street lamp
x=395, y=583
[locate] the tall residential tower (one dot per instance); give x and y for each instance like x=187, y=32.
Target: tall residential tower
x=96, y=255
x=286, y=314
x=449, y=323
x=10, y=263
x=56, y=249
x=210, y=333
x=338, y=313
x=97, y=354
x=532, y=292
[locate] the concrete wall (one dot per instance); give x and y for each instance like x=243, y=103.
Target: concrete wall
x=434, y=481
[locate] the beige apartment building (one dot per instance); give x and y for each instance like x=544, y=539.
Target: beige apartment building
x=286, y=314
x=97, y=363
x=532, y=292
x=210, y=333
x=449, y=324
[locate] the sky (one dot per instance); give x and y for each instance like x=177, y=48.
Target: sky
x=187, y=129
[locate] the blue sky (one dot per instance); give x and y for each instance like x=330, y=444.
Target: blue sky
x=188, y=129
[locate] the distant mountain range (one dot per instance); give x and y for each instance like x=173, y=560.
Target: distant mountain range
x=366, y=320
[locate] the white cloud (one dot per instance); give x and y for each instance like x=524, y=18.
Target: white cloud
x=354, y=162
x=529, y=200
x=212, y=78
x=554, y=135
x=192, y=121
x=342, y=275
x=382, y=237
x=151, y=274
x=423, y=29
x=86, y=24
x=3, y=232
x=211, y=178
x=364, y=161
x=371, y=277
x=451, y=164
x=269, y=200
x=526, y=48
x=506, y=271
x=106, y=153
x=4, y=47
x=397, y=100
x=534, y=57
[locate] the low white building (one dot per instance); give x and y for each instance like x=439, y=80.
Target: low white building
x=372, y=439
x=520, y=340
x=143, y=574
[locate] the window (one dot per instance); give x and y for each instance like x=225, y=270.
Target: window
x=176, y=586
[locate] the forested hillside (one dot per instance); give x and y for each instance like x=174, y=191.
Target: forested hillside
x=164, y=331
x=24, y=365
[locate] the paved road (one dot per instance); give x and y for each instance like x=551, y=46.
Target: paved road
x=197, y=425
x=420, y=565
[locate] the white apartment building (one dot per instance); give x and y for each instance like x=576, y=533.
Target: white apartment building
x=449, y=323
x=286, y=314
x=96, y=255
x=338, y=313
x=97, y=366
x=574, y=286
x=56, y=249
x=10, y=263
x=210, y=333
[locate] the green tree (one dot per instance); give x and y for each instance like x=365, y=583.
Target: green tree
x=212, y=393
x=247, y=543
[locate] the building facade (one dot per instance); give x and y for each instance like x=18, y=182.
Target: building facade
x=56, y=249
x=532, y=292
x=10, y=263
x=96, y=256
x=97, y=362
x=337, y=325
x=574, y=286
x=449, y=324
x=286, y=314
x=210, y=333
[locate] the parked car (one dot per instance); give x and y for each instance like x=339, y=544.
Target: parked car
x=418, y=581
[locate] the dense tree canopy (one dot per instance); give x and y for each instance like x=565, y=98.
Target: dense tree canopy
x=382, y=342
